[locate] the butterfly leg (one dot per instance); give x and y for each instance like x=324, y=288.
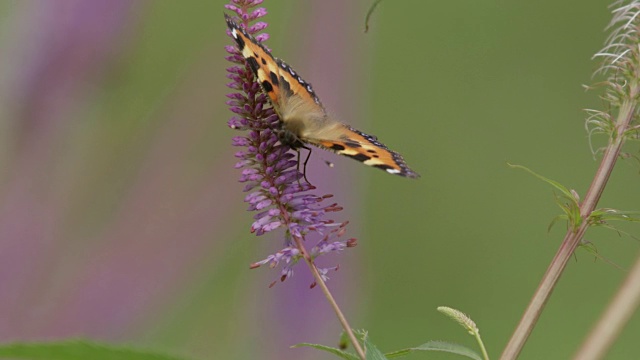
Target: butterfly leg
x=304, y=165
x=290, y=139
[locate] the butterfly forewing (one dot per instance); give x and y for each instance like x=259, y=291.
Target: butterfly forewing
x=302, y=113
x=260, y=60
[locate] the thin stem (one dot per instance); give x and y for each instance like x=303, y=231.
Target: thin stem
x=325, y=290
x=572, y=239
x=485, y=354
x=329, y=296
x=620, y=309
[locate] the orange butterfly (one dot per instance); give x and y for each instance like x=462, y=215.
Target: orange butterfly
x=303, y=117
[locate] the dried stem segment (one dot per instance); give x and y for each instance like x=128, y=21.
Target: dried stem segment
x=621, y=57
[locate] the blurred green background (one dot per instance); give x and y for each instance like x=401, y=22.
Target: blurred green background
x=121, y=218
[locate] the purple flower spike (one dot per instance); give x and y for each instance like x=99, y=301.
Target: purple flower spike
x=277, y=189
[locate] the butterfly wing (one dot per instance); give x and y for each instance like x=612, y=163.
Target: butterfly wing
x=302, y=113
x=345, y=140
x=277, y=79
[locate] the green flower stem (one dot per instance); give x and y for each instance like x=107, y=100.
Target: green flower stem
x=485, y=355
x=572, y=239
x=620, y=309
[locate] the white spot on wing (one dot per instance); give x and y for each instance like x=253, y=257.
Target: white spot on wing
x=234, y=33
x=393, y=171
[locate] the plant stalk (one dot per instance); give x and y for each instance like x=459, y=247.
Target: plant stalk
x=485, y=354
x=572, y=238
x=615, y=317
x=329, y=296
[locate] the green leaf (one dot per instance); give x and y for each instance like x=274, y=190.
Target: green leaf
x=567, y=201
x=340, y=353
x=591, y=248
x=555, y=220
x=77, y=350
x=606, y=214
x=553, y=183
x=372, y=352
x=438, y=346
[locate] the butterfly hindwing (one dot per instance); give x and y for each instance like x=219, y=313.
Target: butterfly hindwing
x=302, y=114
x=365, y=148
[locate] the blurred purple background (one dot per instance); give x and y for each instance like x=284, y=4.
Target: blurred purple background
x=120, y=216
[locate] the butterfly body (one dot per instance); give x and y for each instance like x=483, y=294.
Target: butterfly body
x=304, y=119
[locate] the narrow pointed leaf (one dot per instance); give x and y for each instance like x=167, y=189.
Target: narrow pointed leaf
x=553, y=183
x=337, y=352
x=441, y=346
x=372, y=352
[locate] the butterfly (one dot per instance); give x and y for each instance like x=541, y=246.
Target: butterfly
x=303, y=117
